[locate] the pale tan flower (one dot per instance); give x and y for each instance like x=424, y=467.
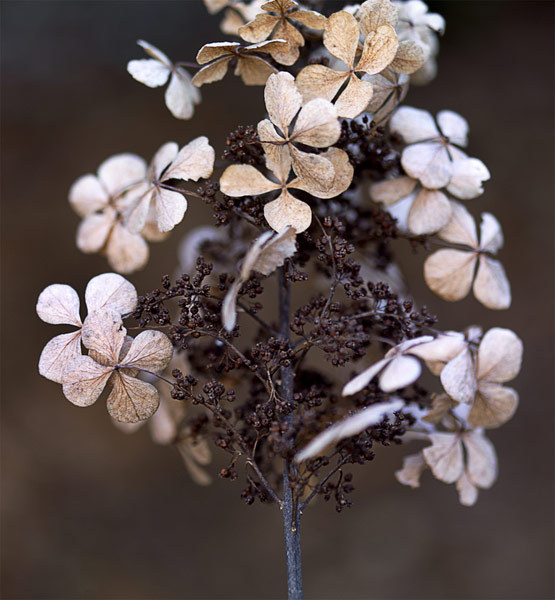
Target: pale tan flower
x=276, y=23
x=59, y=304
x=192, y=162
x=351, y=425
x=267, y=253
x=84, y=377
x=236, y=13
x=450, y=272
x=341, y=38
x=316, y=126
x=181, y=95
x=253, y=69
x=389, y=90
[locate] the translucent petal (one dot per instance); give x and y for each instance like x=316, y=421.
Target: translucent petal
x=59, y=304
x=113, y=291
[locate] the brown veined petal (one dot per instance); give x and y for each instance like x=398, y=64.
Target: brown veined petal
x=126, y=252
x=279, y=6
x=409, y=58
x=491, y=286
x=278, y=157
x=441, y=405
x=445, y=456
x=461, y=228
x=314, y=170
x=380, y=48
x=468, y=492
x=343, y=175
x=481, y=460
x=110, y=290
x=58, y=304
x=216, y=50
x=453, y=126
x=467, y=177
x=131, y=399
x=413, y=124
x=245, y=180
x=319, y=81
x=170, y=208
x=254, y=70
x=413, y=467
x=309, y=18
x=259, y=29
x=275, y=251
x=283, y=100
x=121, y=171
x=194, y=161
x=354, y=99
x=213, y=72
x=448, y=273
x=84, y=380
x=391, y=191
x=59, y=351
x=93, y=231
x=287, y=56
x=374, y=13
x=317, y=124
x=103, y=332
x=181, y=95
x=499, y=355
x=430, y=212
x=87, y=195
x=341, y=36
x=459, y=377
x=288, y=211
x=150, y=350
x=493, y=405
x=429, y=162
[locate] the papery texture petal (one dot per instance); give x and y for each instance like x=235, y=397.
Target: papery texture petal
x=429, y=162
x=149, y=71
x=461, y=228
x=126, y=252
x=363, y=379
x=466, y=178
x=245, y=180
x=84, y=380
x=459, y=377
x=213, y=72
x=341, y=36
x=400, y=372
x=317, y=124
x=131, y=399
x=254, y=70
x=453, y=126
x=374, y=13
x=354, y=99
x=287, y=55
x=491, y=286
x=283, y=100
x=103, y=332
x=93, y=231
x=379, y=50
x=499, y=355
x=319, y=81
x=445, y=456
x=315, y=171
x=493, y=405
x=154, y=52
x=275, y=251
x=181, y=95
x=194, y=161
x=392, y=190
x=259, y=29
x=110, y=290
x=413, y=124
x=468, y=492
x=58, y=304
x=481, y=460
x=229, y=309
x=150, y=350
x=216, y=50
x=288, y=210
x=170, y=208
x=343, y=176
x=449, y=273
x=430, y=212
x=59, y=351
x=409, y=58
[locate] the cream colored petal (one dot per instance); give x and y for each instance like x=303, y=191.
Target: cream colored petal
x=181, y=95
x=164, y=423
x=409, y=58
x=214, y=6
x=154, y=52
x=213, y=72
x=413, y=124
x=343, y=176
x=59, y=351
x=131, y=399
x=430, y=212
x=453, y=126
x=411, y=344
x=493, y=405
x=150, y=231
x=150, y=350
x=283, y=100
x=448, y=273
x=170, y=208
x=254, y=70
x=491, y=286
x=93, y=231
x=461, y=228
x=413, y=467
x=87, y=195
x=363, y=379
x=374, y=13
x=380, y=48
x=231, y=22
x=110, y=290
x=491, y=235
x=259, y=29
x=275, y=251
x=341, y=36
x=149, y=71
x=467, y=177
x=249, y=261
x=429, y=162
x=163, y=158
x=443, y=348
x=245, y=180
x=84, y=380
x=193, y=162
x=126, y=252
x=103, y=332
x=287, y=56
x=216, y=50
x=58, y=304
x=314, y=170
x=288, y=211
x=459, y=377
x=401, y=371
x=468, y=492
x=309, y=18
x=318, y=81
x=441, y=405
x=278, y=157
x=317, y=124
x=481, y=460
x=445, y=456
x=229, y=309
x=499, y=355
x=354, y=99
x=391, y=191
x=137, y=213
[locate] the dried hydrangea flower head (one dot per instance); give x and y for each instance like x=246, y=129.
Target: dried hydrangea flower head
x=253, y=68
x=449, y=272
x=278, y=22
x=102, y=201
x=389, y=90
x=117, y=364
x=193, y=162
x=59, y=304
x=181, y=95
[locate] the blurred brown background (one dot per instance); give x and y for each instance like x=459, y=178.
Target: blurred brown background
x=88, y=512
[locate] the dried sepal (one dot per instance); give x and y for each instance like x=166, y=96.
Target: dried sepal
x=131, y=400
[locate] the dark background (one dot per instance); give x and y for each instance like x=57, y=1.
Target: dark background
x=88, y=512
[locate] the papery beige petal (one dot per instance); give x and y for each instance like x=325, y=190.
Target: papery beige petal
x=316, y=171
x=341, y=36
x=259, y=29
x=380, y=48
x=493, y=405
x=401, y=371
x=491, y=235
x=441, y=405
x=93, y=231
x=491, y=286
x=481, y=460
x=363, y=379
x=289, y=55
x=126, y=252
x=390, y=191
x=58, y=304
x=461, y=228
x=449, y=273
x=319, y=81
x=198, y=474
x=288, y=210
x=131, y=399
x=443, y=348
x=468, y=492
x=231, y=22
x=445, y=456
x=459, y=377
x=194, y=161
x=150, y=350
x=354, y=99
x=150, y=231
x=429, y=162
x=374, y=13
x=245, y=180
x=253, y=253
x=163, y=158
x=181, y=95
x=283, y=100
x=409, y=58
x=453, y=126
x=410, y=344
x=499, y=355
x=170, y=208
x=254, y=70
x=317, y=124
x=213, y=72
x=413, y=124
x=87, y=195
x=59, y=351
x=430, y=212
x=110, y=290
x=343, y=176
x=413, y=467
x=84, y=380
x=275, y=251
x=466, y=178
x=154, y=52
x=164, y=423
x=309, y=18
x=279, y=6
x=278, y=157
x=136, y=216
x=103, y=332
x=216, y=50
x=149, y=71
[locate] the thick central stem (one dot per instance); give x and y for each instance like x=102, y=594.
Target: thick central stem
x=291, y=512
